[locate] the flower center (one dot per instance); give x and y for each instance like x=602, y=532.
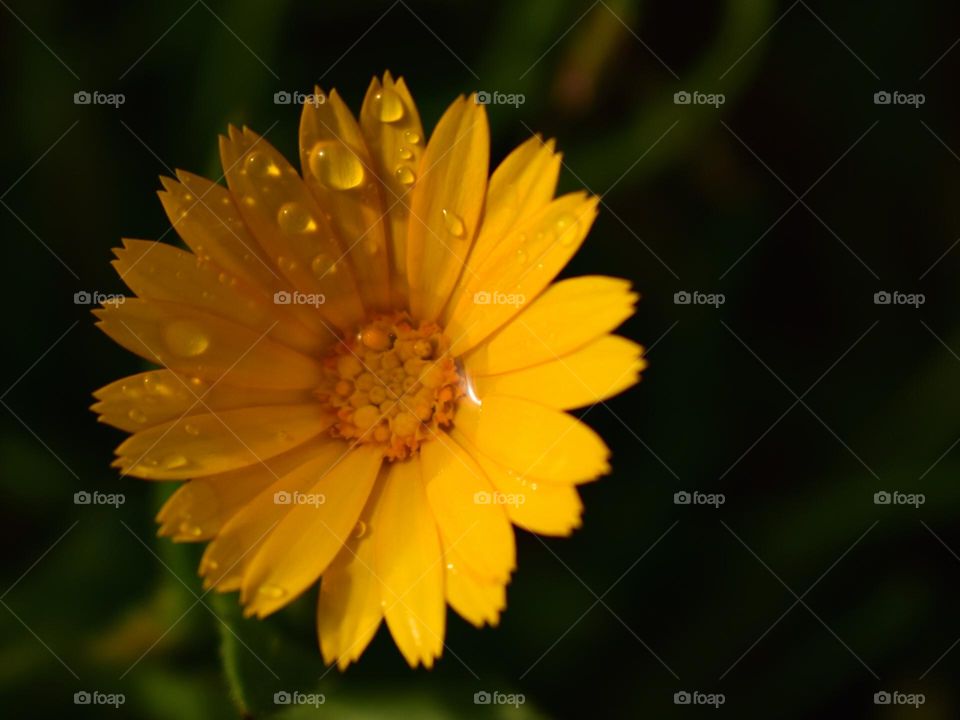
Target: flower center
x=392, y=384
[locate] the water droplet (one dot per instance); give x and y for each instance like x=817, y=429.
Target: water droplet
x=566, y=227
x=286, y=264
x=360, y=530
x=187, y=528
x=186, y=338
x=260, y=165
x=174, y=461
x=405, y=153
x=335, y=165
x=453, y=223
x=405, y=175
x=274, y=592
x=323, y=265
x=137, y=416
x=411, y=137
x=211, y=565
x=294, y=218
x=522, y=256
x=371, y=247
x=388, y=106
x=191, y=429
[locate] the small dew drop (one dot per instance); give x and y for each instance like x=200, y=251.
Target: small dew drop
x=335, y=165
x=411, y=137
x=405, y=153
x=323, y=265
x=566, y=227
x=360, y=530
x=191, y=429
x=388, y=106
x=260, y=165
x=274, y=592
x=522, y=256
x=186, y=528
x=137, y=416
x=453, y=223
x=173, y=462
x=295, y=219
x=185, y=338
x=405, y=175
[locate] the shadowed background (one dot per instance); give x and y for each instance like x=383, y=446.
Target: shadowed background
x=798, y=398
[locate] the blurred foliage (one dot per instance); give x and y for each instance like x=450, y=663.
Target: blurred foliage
x=595, y=626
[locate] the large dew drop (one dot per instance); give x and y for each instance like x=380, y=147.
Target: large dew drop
x=261, y=166
x=453, y=223
x=336, y=166
x=294, y=219
x=388, y=106
x=186, y=338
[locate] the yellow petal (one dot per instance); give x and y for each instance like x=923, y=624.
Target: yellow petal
x=200, y=508
x=287, y=222
x=566, y=317
x=410, y=565
x=476, y=600
x=301, y=547
x=520, y=187
x=459, y=494
x=349, y=608
x=158, y=271
x=213, y=443
x=147, y=399
x=338, y=170
x=533, y=440
x=206, y=216
x=197, y=344
x=446, y=205
x=540, y=507
x=586, y=376
x=226, y=558
x=391, y=127
x=518, y=269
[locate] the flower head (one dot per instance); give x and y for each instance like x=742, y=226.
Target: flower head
x=366, y=367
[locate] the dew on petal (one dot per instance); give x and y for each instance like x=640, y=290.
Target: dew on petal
x=261, y=166
x=174, y=461
x=274, y=592
x=293, y=218
x=566, y=227
x=453, y=223
x=405, y=175
x=411, y=137
x=335, y=165
x=405, y=153
x=191, y=429
x=186, y=338
x=137, y=416
x=388, y=105
x=323, y=265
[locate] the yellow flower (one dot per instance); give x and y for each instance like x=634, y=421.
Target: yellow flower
x=367, y=367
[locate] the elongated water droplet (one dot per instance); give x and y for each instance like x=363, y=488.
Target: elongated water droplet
x=293, y=218
x=174, y=461
x=260, y=165
x=405, y=175
x=335, y=165
x=566, y=227
x=411, y=137
x=388, y=106
x=274, y=592
x=185, y=338
x=405, y=153
x=453, y=223
x=360, y=530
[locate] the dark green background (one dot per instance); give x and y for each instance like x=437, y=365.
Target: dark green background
x=692, y=189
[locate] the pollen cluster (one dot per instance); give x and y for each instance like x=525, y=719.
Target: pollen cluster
x=393, y=384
